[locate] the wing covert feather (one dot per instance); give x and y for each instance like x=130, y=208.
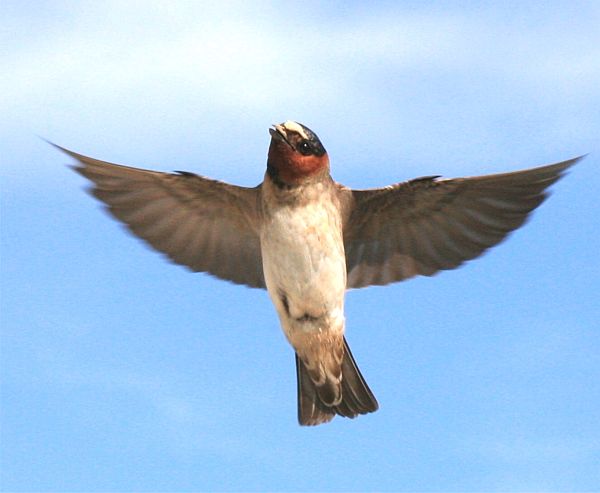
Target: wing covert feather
x=206, y=225
x=430, y=224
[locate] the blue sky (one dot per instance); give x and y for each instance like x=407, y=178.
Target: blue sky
x=122, y=372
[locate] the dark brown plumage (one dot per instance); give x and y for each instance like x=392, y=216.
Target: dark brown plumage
x=430, y=224
x=357, y=397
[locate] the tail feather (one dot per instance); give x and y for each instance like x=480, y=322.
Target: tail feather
x=357, y=395
x=357, y=398
x=311, y=410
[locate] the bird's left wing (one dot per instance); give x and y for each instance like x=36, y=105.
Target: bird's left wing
x=206, y=225
x=429, y=224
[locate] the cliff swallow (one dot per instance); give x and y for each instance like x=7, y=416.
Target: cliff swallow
x=306, y=239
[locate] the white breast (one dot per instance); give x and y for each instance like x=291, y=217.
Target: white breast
x=303, y=259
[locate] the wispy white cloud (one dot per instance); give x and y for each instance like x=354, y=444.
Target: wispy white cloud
x=541, y=450
x=420, y=77
x=251, y=60
x=151, y=391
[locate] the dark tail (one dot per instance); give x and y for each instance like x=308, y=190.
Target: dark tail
x=357, y=398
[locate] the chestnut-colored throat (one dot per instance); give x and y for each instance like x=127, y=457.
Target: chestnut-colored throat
x=288, y=168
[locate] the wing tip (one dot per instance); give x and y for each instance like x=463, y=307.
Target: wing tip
x=563, y=166
x=60, y=148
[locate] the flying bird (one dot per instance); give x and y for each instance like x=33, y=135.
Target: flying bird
x=307, y=239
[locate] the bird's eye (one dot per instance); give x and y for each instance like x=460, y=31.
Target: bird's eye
x=304, y=148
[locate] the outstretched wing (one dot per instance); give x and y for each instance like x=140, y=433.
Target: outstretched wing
x=431, y=224
x=206, y=225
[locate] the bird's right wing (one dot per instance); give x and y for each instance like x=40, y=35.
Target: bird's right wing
x=431, y=224
x=206, y=225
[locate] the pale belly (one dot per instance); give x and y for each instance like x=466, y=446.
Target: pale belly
x=305, y=269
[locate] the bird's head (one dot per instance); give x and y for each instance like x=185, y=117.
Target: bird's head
x=295, y=154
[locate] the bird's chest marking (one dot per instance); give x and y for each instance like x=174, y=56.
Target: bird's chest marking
x=306, y=317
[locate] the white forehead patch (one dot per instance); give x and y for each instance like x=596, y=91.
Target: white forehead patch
x=294, y=127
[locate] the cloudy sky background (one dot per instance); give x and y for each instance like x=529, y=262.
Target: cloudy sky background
x=122, y=372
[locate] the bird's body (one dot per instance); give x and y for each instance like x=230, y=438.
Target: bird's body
x=305, y=273
x=307, y=239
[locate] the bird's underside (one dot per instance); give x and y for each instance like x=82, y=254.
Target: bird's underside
x=418, y=227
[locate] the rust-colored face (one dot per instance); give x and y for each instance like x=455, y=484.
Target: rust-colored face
x=295, y=153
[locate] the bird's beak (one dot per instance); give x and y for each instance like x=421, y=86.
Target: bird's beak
x=280, y=133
